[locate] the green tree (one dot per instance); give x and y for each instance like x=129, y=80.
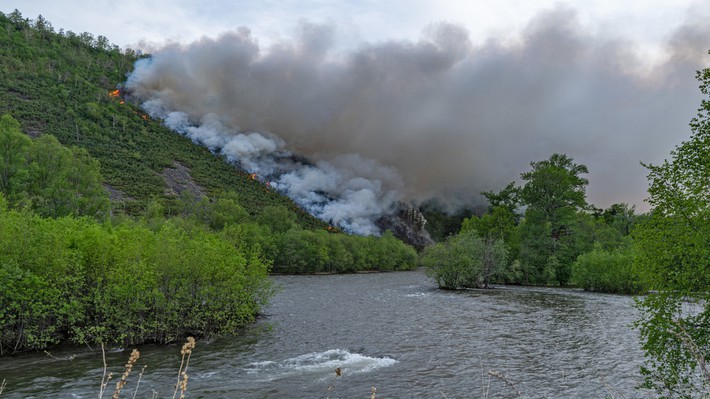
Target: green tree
x=507, y=198
x=674, y=259
x=278, y=218
x=554, y=193
x=65, y=181
x=621, y=217
x=607, y=271
x=498, y=223
x=13, y=157
x=465, y=261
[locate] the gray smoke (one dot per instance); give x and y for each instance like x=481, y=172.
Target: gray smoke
x=444, y=117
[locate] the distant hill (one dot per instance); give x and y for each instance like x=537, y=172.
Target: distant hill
x=60, y=83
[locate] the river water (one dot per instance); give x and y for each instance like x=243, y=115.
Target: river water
x=395, y=332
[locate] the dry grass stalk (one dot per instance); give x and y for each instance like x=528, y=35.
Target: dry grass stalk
x=183, y=385
x=140, y=376
x=129, y=367
x=2, y=385
x=182, y=372
x=106, y=377
x=374, y=391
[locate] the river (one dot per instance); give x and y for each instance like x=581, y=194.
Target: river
x=395, y=332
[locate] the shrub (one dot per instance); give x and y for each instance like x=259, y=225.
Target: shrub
x=465, y=261
x=607, y=271
x=83, y=281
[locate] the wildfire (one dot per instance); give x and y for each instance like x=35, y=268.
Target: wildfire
x=252, y=176
x=117, y=94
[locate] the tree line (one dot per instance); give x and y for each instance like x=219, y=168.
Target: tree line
x=542, y=232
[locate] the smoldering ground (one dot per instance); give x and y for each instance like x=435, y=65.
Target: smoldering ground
x=443, y=117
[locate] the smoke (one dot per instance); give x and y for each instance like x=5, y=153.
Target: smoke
x=443, y=117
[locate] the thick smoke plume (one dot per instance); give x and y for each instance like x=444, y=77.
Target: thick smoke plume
x=443, y=117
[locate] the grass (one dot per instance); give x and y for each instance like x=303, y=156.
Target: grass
x=180, y=386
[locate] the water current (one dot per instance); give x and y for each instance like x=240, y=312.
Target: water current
x=395, y=332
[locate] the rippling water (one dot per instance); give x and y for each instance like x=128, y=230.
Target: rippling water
x=396, y=332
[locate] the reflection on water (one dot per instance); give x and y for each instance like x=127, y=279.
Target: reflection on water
x=393, y=331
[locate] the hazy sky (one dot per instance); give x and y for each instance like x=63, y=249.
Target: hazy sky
x=457, y=96
x=128, y=22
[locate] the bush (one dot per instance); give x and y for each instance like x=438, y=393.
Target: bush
x=607, y=271
x=78, y=280
x=465, y=261
x=305, y=251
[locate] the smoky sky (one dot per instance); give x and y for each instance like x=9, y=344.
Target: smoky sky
x=446, y=116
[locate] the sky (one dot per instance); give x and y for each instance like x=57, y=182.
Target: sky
x=414, y=99
x=128, y=23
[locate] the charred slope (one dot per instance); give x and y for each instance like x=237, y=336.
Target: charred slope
x=408, y=224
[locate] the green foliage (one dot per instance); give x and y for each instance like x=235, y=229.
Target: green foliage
x=556, y=230
x=554, y=186
x=673, y=248
x=499, y=223
x=621, y=217
x=48, y=177
x=13, y=149
x=554, y=193
x=278, y=218
x=76, y=280
x=465, y=261
x=676, y=342
x=607, y=271
x=304, y=251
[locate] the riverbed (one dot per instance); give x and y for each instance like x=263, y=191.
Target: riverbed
x=394, y=332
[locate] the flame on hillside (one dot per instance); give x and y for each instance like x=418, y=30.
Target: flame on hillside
x=114, y=93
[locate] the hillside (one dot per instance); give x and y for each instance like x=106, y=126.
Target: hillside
x=60, y=83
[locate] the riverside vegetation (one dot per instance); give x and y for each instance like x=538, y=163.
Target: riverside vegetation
x=155, y=262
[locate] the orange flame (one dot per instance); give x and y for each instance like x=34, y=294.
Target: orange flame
x=252, y=176
x=114, y=93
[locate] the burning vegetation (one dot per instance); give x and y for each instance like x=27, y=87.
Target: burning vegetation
x=121, y=95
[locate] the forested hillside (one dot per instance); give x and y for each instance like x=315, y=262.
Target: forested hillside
x=59, y=83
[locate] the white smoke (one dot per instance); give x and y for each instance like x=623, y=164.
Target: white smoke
x=348, y=191
x=442, y=117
